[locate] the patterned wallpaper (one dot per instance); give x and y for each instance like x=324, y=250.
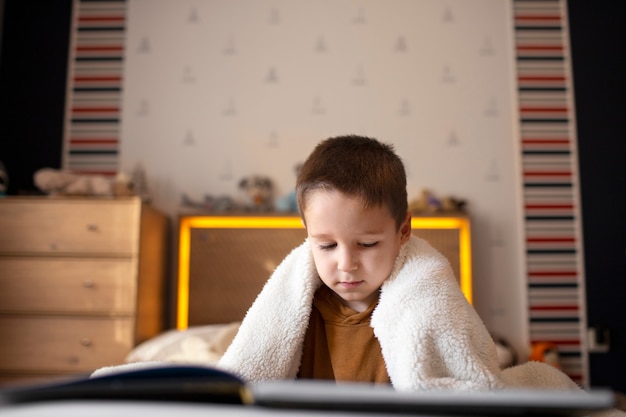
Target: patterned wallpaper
x=201, y=93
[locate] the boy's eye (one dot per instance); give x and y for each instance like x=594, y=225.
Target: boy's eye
x=369, y=244
x=327, y=246
x=331, y=246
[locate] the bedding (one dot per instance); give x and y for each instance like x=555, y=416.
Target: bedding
x=197, y=344
x=206, y=344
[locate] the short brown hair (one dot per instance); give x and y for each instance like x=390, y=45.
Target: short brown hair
x=356, y=166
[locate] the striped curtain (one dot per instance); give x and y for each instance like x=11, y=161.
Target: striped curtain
x=92, y=125
x=555, y=273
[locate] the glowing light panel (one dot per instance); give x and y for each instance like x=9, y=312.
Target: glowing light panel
x=291, y=222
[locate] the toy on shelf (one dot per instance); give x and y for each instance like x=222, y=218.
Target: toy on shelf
x=122, y=185
x=430, y=203
x=56, y=182
x=258, y=193
x=140, y=183
x=210, y=203
x=288, y=203
x=546, y=352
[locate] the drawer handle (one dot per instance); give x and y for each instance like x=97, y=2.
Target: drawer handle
x=92, y=227
x=88, y=284
x=85, y=342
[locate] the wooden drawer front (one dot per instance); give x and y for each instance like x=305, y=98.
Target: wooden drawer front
x=68, y=285
x=63, y=344
x=70, y=226
x=20, y=379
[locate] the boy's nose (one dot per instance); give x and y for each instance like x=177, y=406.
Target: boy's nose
x=347, y=262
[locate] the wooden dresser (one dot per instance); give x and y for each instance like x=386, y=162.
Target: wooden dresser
x=81, y=283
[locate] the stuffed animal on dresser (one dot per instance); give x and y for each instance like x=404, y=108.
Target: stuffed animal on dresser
x=259, y=193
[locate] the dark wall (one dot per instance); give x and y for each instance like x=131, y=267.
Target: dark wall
x=33, y=71
x=598, y=35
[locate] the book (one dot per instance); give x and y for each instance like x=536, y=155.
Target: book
x=195, y=383
x=189, y=383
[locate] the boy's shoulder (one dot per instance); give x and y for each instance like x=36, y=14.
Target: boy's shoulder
x=422, y=268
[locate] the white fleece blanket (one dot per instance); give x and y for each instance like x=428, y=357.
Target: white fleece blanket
x=430, y=336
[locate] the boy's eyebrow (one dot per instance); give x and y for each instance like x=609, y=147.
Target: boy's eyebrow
x=321, y=236
x=366, y=233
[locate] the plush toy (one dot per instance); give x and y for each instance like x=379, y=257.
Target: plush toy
x=139, y=182
x=57, y=182
x=288, y=203
x=428, y=202
x=53, y=181
x=259, y=193
x=210, y=203
x=122, y=185
x=449, y=204
x=546, y=352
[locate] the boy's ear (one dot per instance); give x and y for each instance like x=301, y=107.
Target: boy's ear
x=405, y=228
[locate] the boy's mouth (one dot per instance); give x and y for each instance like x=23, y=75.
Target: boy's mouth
x=350, y=284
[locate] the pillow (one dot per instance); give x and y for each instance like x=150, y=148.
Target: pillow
x=197, y=344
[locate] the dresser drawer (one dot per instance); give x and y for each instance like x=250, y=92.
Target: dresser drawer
x=12, y=379
x=68, y=285
x=63, y=344
x=58, y=226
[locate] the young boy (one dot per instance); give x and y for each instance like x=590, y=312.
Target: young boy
x=362, y=299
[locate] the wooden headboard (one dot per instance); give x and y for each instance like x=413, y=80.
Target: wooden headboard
x=223, y=261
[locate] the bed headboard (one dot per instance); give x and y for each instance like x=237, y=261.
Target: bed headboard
x=224, y=260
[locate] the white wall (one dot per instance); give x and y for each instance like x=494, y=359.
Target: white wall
x=215, y=90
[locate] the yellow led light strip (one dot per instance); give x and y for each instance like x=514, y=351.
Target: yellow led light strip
x=250, y=222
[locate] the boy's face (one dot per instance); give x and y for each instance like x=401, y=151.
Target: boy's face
x=354, y=248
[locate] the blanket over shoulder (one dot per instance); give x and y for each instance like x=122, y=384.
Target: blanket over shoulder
x=430, y=336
